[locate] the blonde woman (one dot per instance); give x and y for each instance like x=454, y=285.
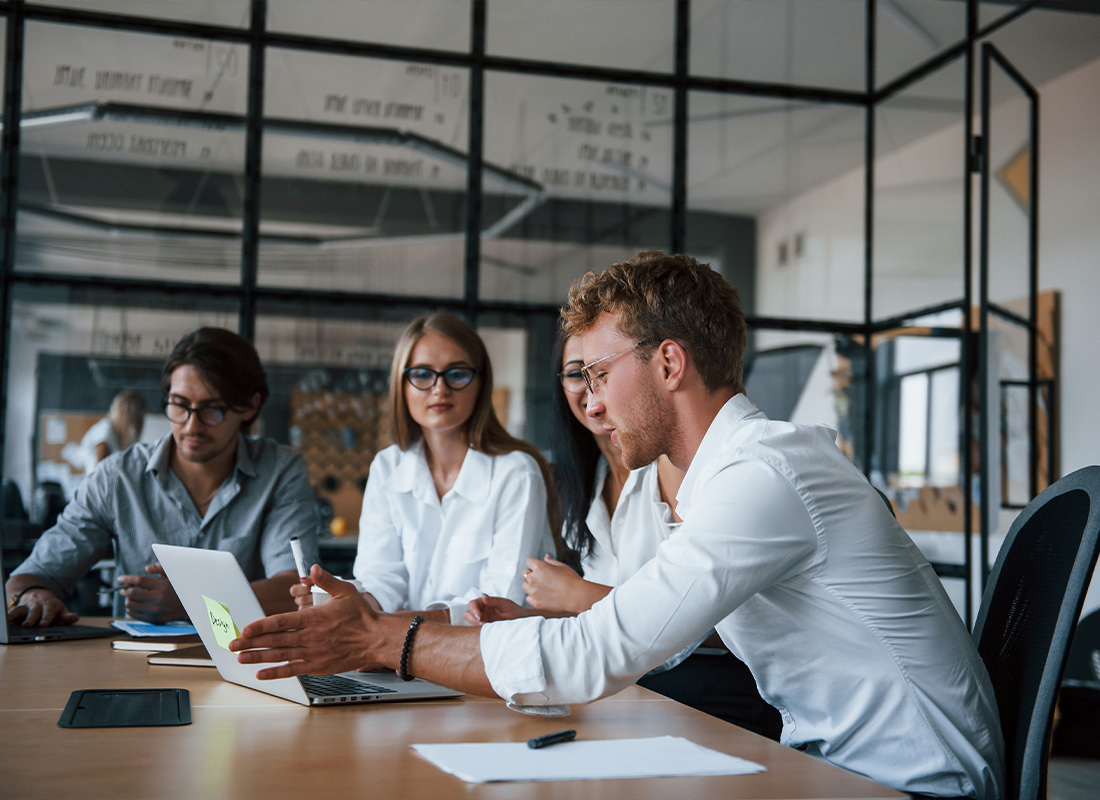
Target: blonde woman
x=118, y=430
x=457, y=505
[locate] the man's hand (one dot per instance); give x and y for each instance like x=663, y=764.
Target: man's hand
x=151, y=597
x=302, y=593
x=38, y=606
x=552, y=586
x=494, y=609
x=335, y=636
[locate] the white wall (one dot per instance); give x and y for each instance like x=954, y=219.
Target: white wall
x=1069, y=250
x=1069, y=255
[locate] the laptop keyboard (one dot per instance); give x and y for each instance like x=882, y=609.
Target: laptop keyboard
x=338, y=685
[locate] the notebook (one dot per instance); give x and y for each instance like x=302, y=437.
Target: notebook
x=15, y=633
x=220, y=602
x=194, y=656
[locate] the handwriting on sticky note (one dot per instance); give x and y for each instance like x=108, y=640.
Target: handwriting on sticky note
x=225, y=630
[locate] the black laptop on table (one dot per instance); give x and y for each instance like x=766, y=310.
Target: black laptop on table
x=15, y=633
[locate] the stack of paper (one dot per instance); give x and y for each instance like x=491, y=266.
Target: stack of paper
x=660, y=756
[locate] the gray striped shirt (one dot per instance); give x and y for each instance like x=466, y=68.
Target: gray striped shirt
x=136, y=499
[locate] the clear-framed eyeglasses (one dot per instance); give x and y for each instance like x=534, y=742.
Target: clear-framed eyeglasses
x=456, y=378
x=596, y=380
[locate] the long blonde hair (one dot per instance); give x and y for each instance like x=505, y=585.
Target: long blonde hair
x=127, y=416
x=484, y=431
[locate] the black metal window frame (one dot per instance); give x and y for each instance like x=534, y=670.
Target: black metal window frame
x=680, y=81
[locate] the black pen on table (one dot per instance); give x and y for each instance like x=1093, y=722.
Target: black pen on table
x=552, y=738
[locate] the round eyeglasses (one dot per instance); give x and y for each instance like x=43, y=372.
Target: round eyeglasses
x=572, y=380
x=456, y=378
x=179, y=413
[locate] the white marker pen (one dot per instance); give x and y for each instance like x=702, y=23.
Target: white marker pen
x=299, y=559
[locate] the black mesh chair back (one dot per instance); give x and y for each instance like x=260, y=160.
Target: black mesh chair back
x=1027, y=616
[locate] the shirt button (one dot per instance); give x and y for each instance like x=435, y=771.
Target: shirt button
x=787, y=718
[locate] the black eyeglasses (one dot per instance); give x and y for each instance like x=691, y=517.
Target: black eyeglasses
x=572, y=380
x=456, y=378
x=179, y=413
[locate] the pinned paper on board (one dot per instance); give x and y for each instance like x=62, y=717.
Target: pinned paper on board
x=221, y=621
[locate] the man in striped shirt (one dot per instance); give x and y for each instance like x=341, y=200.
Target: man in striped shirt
x=206, y=484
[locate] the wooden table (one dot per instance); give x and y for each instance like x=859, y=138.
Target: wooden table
x=245, y=744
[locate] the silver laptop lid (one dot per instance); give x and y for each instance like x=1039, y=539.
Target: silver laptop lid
x=15, y=633
x=220, y=602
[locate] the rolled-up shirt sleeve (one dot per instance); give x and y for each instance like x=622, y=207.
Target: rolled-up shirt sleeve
x=752, y=531
x=80, y=538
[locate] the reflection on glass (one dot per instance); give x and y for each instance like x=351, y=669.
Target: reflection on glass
x=365, y=166
x=66, y=65
x=598, y=158
x=919, y=194
x=435, y=24
x=69, y=358
x=230, y=13
x=1010, y=190
x=597, y=33
x=109, y=183
x=989, y=11
x=753, y=41
x=794, y=171
x=910, y=33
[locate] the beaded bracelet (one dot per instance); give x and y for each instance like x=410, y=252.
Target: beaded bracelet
x=403, y=672
x=15, y=598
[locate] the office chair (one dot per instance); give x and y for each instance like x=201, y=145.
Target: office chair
x=11, y=501
x=1027, y=616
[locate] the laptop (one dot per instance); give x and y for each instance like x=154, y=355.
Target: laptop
x=15, y=633
x=220, y=602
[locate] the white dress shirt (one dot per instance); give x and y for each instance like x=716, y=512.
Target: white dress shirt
x=788, y=551
x=625, y=541
x=419, y=552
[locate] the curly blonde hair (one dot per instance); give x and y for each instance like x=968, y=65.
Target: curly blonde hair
x=660, y=296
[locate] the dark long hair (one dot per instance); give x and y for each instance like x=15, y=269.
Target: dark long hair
x=576, y=457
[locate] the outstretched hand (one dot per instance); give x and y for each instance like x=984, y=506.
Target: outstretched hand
x=325, y=639
x=493, y=609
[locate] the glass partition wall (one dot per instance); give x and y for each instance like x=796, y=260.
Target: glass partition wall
x=316, y=174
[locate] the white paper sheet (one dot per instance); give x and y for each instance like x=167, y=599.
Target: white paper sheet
x=661, y=756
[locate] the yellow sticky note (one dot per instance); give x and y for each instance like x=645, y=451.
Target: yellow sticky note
x=225, y=630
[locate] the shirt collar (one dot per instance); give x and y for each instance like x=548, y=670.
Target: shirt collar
x=474, y=477
x=413, y=475
x=158, y=458
x=735, y=411
x=244, y=456
x=158, y=461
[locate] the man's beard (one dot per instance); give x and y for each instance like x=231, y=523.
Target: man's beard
x=653, y=425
